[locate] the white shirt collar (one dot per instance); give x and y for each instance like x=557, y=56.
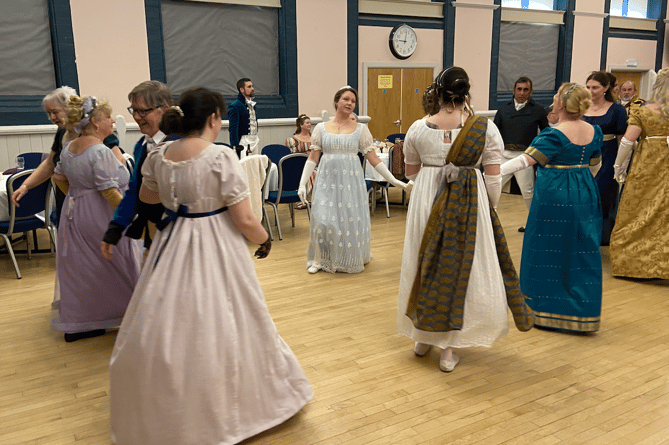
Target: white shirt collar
x=519, y=106
x=250, y=102
x=157, y=138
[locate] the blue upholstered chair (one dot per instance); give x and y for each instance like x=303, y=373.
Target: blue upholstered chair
x=275, y=152
x=290, y=171
x=26, y=217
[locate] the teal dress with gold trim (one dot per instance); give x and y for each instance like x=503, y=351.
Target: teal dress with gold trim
x=561, y=268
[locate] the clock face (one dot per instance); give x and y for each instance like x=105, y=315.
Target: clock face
x=403, y=41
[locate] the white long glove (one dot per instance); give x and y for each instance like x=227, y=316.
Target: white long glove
x=622, y=160
x=383, y=171
x=309, y=167
x=516, y=164
x=493, y=184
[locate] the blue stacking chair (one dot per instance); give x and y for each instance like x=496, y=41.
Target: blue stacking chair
x=290, y=172
x=27, y=217
x=275, y=152
x=391, y=137
x=32, y=160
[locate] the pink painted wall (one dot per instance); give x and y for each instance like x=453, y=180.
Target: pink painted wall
x=587, y=49
x=111, y=49
x=321, y=53
x=473, y=46
x=619, y=50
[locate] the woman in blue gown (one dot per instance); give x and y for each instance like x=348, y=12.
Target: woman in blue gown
x=612, y=119
x=561, y=267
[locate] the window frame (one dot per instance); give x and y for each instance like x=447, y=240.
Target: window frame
x=284, y=104
x=27, y=109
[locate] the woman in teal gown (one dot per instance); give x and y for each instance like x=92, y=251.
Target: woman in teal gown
x=561, y=267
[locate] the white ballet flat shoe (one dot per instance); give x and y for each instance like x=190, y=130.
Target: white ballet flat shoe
x=313, y=269
x=449, y=365
x=420, y=349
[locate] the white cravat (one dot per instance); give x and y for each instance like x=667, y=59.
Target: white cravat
x=152, y=142
x=253, y=122
x=519, y=106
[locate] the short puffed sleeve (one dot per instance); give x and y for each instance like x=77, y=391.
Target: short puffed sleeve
x=635, y=115
x=108, y=172
x=149, y=168
x=494, y=145
x=596, y=145
x=366, y=141
x=316, y=137
x=545, y=146
x=233, y=186
x=619, y=119
x=411, y=155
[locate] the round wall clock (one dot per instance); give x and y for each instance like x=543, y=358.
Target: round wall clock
x=403, y=41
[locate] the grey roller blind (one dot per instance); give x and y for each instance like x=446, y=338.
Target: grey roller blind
x=527, y=49
x=26, y=55
x=213, y=45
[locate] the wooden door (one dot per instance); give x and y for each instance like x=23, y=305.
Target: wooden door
x=414, y=83
x=624, y=76
x=384, y=99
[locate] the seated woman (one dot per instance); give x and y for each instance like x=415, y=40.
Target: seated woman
x=300, y=142
x=94, y=292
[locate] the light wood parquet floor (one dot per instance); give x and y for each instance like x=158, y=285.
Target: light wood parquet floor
x=539, y=387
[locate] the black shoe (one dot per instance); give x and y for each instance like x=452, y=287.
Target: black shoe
x=81, y=335
x=521, y=229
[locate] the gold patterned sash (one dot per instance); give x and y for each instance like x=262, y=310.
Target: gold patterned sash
x=437, y=299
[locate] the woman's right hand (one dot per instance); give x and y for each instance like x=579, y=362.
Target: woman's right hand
x=18, y=194
x=107, y=250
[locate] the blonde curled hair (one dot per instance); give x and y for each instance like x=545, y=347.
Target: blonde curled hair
x=661, y=91
x=575, y=98
x=75, y=111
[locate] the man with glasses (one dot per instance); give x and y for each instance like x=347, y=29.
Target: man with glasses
x=148, y=102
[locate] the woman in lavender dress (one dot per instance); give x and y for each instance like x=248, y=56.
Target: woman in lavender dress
x=94, y=292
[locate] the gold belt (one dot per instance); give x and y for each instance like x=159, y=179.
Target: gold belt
x=567, y=166
x=515, y=147
x=608, y=137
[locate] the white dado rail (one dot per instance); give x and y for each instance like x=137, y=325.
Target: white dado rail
x=39, y=138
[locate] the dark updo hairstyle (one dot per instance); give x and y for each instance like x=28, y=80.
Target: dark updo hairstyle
x=450, y=87
x=190, y=116
x=299, y=122
x=605, y=81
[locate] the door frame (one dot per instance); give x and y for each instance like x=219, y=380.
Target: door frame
x=648, y=76
x=390, y=65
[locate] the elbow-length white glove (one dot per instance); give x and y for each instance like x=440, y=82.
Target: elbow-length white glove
x=622, y=160
x=516, y=164
x=383, y=171
x=309, y=167
x=493, y=184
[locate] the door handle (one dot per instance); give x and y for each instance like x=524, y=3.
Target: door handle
x=397, y=123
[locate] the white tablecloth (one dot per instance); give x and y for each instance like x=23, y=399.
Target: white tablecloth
x=273, y=180
x=370, y=172
x=4, y=205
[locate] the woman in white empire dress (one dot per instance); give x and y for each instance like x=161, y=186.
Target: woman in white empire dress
x=198, y=359
x=340, y=223
x=426, y=147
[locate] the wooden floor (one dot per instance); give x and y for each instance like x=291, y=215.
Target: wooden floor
x=539, y=387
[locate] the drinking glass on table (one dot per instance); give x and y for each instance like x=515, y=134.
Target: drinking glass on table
x=20, y=163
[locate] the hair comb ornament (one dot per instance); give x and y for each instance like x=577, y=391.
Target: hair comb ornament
x=88, y=106
x=179, y=110
x=569, y=90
